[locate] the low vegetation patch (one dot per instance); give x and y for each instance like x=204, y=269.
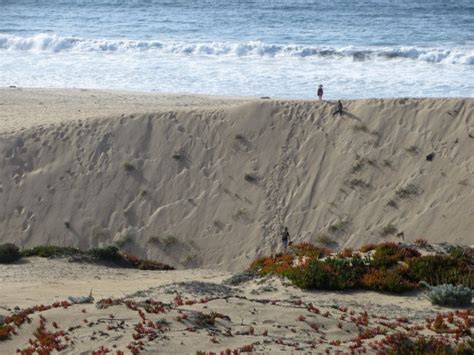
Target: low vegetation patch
x=392, y=203
x=340, y=226
x=50, y=251
x=358, y=166
x=449, y=295
x=239, y=278
x=408, y=191
x=179, y=155
x=401, y=343
x=325, y=240
x=9, y=253
x=413, y=149
x=388, y=280
x=443, y=269
x=128, y=166
x=389, y=254
x=386, y=267
x=170, y=240
x=123, y=241
x=250, y=177
x=361, y=128
x=354, y=183
x=387, y=230
x=108, y=255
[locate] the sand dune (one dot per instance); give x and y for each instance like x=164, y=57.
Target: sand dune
x=197, y=181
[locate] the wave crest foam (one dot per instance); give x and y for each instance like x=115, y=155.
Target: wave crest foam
x=54, y=43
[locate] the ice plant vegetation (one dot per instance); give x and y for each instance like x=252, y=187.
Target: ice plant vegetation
x=386, y=267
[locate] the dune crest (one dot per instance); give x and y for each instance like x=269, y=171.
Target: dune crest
x=208, y=182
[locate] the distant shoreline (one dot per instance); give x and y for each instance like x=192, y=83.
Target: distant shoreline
x=186, y=94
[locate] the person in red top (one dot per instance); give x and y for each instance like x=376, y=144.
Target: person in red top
x=320, y=92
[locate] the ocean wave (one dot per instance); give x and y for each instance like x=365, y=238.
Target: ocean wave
x=54, y=43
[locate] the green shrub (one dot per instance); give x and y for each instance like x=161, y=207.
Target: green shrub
x=441, y=269
x=315, y=276
x=463, y=254
x=389, y=253
x=331, y=274
x=110, y=253
x=9, y=253
x=449, y=295
x=346, y=273
x=50, y=251
x=425, y=266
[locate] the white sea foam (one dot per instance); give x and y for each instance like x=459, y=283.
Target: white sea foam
x=53, y=43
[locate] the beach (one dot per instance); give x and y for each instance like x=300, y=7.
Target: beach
x=231, y=177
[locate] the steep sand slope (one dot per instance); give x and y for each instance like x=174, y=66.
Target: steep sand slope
x=209, y=182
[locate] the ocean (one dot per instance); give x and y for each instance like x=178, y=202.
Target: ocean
x=356, y=49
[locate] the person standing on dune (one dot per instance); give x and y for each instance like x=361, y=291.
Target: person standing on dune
x=339, y=109
x=285, y=237
x=320, y=92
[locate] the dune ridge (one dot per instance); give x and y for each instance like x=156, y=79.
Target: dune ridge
x=208, y=182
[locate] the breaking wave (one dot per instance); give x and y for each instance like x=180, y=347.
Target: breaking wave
x=54, y=43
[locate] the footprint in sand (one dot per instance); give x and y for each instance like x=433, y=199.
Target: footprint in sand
x=25, y=227
x=20, y=143
x=17, y=178
x=9, y=154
